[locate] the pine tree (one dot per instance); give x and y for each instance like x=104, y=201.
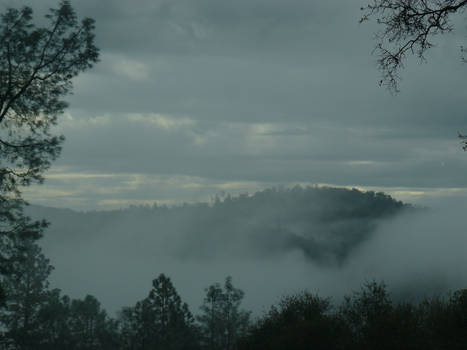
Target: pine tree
x=26, y=289
x=160, y=321
x=222, y=322
x=37, y=65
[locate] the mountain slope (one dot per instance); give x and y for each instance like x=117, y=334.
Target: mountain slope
x=325, y=224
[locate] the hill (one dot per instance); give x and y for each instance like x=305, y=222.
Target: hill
x=325, y=224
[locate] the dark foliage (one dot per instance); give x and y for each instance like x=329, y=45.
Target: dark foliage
x=25, y=285
x=301, y=321
x=160, y=321
x=36, y=68
x=42, y=319
x=222, y=321
x=367, y=319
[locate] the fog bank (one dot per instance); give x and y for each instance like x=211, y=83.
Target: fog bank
x=416, y=253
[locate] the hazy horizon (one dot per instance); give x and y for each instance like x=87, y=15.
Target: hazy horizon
x=195, y=98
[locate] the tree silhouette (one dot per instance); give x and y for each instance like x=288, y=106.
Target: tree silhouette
x=408, y=29
x=54, y=322
x=160, y=321
x=36, y=68
x=300, y=321
x=222, y=322
x=37, y=65
x=26, y=288
x=90, y=327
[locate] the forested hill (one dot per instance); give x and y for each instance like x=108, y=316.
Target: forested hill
x=324, y=223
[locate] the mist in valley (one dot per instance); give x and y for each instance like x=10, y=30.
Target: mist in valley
x=188, y=142
x=275, y=242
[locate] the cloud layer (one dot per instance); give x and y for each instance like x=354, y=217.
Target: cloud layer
x=257, y=92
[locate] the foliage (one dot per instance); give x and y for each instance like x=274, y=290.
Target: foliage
x=36, y=68
x=26, y=288
x=90, y=327
x=160, y=321
x=367, y=319
x=301, y=321
x=376, y=322
x=221, y=321
x=54, y=317
x=16, y=231
x=36, y=318
x=75, y=324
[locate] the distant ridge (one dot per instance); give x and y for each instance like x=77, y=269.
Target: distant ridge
x=325, y=224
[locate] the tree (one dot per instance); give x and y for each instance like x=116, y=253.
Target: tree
x=26, y=289
x=75, y=324
x=222, y=322
x=129, y=325
x=90, y=327
x=300, y=321
x=37, y=65
x=36, y=68
x=16, y=229
x=160, y=321
x=408, y=26
x=376, y=322
x=445, y=320
x=54, y=322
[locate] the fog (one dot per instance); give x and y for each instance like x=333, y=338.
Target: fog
x=416, y=253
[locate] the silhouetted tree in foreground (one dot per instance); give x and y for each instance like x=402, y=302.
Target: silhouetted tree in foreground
x=160, y=321
x=37, y=65
x=367, y=319
x=36, y=68
x=374, y=321
x=26, y=288
x=300, y=321
x=407, y=29
x=75, y=325
x=221, y=321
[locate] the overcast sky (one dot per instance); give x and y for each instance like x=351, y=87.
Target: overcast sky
x=195, y=97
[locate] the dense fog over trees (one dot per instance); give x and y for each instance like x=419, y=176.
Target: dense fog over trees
x=325, y=224
x=285, y=267
x=277, y=241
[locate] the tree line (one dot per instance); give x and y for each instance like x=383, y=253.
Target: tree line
x=326, y=224
x=37, y=65
x=35, y=317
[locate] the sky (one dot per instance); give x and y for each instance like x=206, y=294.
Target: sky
x=196, y=98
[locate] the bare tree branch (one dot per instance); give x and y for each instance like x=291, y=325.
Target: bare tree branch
x=407, y=29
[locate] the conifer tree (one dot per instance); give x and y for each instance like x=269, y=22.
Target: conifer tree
x=37, y=65
x=222, y=321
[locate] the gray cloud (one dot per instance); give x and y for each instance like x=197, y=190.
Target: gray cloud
x=273, y=91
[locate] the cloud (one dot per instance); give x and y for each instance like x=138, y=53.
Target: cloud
x=263, y=92
x=68, y=121
x=287, y=132
x=360, y=162
x=132, y=69
x=166, y=122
